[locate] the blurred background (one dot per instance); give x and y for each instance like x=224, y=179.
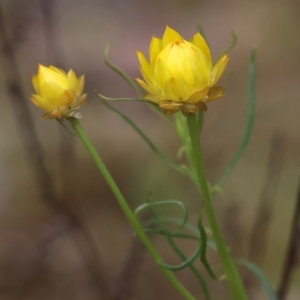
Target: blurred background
x=62, y=234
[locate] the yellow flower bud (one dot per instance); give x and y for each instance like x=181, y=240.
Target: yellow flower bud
x=180, y=74
x=58, y=93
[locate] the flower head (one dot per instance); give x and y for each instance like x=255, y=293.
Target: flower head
x=58, y=93
x=180, y=74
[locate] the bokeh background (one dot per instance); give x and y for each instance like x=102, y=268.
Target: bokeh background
x=62, y=235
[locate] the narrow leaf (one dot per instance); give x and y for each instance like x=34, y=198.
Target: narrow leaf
x=257, y=272
x=231, y=46
x=152, y=146
x=121, y=72
x=249, y=123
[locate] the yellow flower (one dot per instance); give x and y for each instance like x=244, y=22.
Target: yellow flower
x=180, y=74
x=58, y=93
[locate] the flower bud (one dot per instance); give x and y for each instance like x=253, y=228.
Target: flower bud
x=58, y=93
x=180, y=74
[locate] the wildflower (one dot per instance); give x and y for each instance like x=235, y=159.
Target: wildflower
x=180, y=74
x=58, y=93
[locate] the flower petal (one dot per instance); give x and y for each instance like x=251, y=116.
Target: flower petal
x=81, y=100
x=59, y=112
x=193, y=107
x=36, y=83
x=185, y=60
x=80, y=85
x=155, y=48
x=170, y=107
x=161, y=74
x=177, y=89
x=72, y=81
x=51, y=74
x=170, y=35
x=214, y=93
x=150, y=90
x=219, y=69
x=146, y=69
x=200, y=42
x=51, y=92
x=198, y=96
x=58, y=70
x=41, y=103
x=67, y=98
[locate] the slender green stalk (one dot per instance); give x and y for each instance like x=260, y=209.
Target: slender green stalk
x=126, y=209
x=232, y=276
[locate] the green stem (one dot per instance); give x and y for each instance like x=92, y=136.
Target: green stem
x=126, y=209
x=232, y=276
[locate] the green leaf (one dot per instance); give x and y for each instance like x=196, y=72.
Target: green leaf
x=189, y=226
x=249, y=124
x=231, y=46
x=257, y=272
x=203, y=246
x=166, y=202
x=133, y=84
x=121, y=72
x=152, y=146
x=122, y=99
x=187, y=262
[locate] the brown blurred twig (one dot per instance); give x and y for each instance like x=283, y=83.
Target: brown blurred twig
x=54, y=54
x=20, y=107
x=125, y=284
x=293, y=252
x=258, y=239
x=33, y=150
x=53, y=46
x=90, y=253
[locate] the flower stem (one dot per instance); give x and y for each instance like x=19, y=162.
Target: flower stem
x=127, y=210
x=234, y=281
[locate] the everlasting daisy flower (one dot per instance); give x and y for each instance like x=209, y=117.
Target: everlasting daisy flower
x=58, y=93
x=180, y=74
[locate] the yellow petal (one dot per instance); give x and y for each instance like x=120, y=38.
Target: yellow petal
x=214, y=93
x=60, y=111
x=36, y=83
x=80, y=85
x=41, y=103
x=176, y=89
x=149, y=80
x=189, y=108
x=176, y=58
x=185, y=60
x=51, y=74
x=198, y=96
x=81, y=100
x=151, y=98
x=58, y=70
x=155, y=48
x=51, y=92
x=219, y=69
x=150, y=90
x=66, y=98
x=161, y=74
x=200, y=42
x=170, y=107
x=72, y=81
x=170, y=35
x=146, y=69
